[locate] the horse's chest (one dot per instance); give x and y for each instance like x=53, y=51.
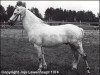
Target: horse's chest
x=35, y=38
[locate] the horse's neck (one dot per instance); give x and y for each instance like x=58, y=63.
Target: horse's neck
x=30, y=21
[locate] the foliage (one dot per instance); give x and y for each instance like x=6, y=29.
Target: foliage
x=5, y=15
x=10, y=10
x=52, y=14
x=2, y=13
x=59, y=14
x=49, y=14
x=36, y=12
x=19, y=3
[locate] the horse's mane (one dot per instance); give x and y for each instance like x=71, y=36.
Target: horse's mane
x=37, y=18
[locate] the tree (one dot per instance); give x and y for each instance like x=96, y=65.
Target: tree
x=71, y=16
x=89, y=16
x=36, y=12
x=49, y=13
x=2, y=13
x=19, y=3
x=54, y=14
x=80, y=16
x=58, y=15
x=98, y=17
x=10, y=10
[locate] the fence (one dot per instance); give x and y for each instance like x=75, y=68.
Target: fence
x=76, y=23
x=58, y=23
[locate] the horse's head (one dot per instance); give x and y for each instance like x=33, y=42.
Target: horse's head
x=18, y=11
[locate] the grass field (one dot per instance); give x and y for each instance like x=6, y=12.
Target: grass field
x=17, y=54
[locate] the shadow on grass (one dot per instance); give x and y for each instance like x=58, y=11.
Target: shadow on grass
x=57, y=69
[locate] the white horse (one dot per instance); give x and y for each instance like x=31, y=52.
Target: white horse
x=44, y=35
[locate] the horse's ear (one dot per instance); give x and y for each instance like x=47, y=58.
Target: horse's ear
x=16, y=6
x=33, y=12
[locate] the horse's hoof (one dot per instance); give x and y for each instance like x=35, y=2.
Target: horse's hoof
x=44, y=66
x=88, y=72
x=74, y=69
x=39, y=70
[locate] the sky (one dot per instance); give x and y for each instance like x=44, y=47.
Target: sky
x=68, y=5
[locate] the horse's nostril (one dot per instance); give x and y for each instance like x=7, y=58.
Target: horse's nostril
x=10, y=22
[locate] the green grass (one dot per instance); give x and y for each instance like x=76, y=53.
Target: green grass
x=18, y=54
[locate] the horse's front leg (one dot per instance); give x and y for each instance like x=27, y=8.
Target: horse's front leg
x=40, y=52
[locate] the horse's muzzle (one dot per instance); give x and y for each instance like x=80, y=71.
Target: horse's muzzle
x=10, y=22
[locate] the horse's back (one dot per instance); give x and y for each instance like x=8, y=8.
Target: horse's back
x=67, y=33
x=73, y=32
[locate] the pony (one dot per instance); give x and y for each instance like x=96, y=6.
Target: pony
x=43, y=35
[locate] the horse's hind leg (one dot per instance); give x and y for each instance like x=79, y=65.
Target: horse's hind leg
x=81, y=51
x=76, y=56
x=43, y=62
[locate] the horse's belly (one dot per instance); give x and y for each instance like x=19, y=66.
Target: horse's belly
x=51, y=43
x=54, y=41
